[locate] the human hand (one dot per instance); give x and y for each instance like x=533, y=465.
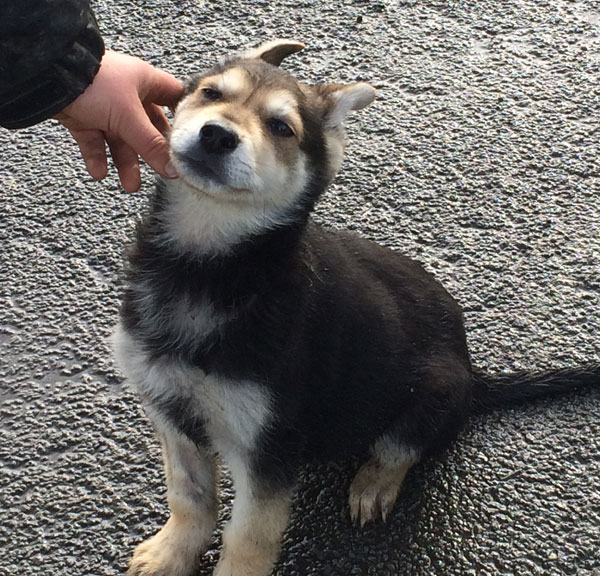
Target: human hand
x=122, y=108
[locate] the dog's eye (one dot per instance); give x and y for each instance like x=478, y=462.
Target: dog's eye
x=212, y=95
x=279, y=128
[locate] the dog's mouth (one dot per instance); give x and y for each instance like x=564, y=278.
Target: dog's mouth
x=200, y=174
x=200, y=167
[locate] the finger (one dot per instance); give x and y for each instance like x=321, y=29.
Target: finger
x=141, y=135
x=127, y=162
x=93, y=149
x=158, y=118
x=163, y=88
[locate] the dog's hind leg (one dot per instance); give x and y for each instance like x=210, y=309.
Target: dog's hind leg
x=429, y=424
x=376, y=485
x=192, y=497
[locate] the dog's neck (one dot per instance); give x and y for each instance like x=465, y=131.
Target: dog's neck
x=189, y=221
x=184, y=249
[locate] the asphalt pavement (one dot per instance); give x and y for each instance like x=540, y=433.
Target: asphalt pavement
x=480, y=157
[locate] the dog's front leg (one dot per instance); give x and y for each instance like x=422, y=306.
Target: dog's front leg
x=252, y=539
x=192, y=497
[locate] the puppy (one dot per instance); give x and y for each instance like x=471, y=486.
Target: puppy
x=254, y=334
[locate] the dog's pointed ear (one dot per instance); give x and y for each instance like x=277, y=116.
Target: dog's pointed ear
x=275, y=51
x=342, y=98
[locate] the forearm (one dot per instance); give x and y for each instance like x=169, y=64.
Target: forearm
x=50, y=52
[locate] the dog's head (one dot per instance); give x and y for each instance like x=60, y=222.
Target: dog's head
x=247, y=131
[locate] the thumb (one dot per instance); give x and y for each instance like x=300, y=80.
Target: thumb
x=163, y=89
x=138, y=131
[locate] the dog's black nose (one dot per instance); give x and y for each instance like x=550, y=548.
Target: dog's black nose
x=215, y=139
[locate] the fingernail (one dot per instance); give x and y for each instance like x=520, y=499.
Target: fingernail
x=170, y=170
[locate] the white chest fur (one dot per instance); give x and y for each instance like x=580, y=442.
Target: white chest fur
x=233, y=412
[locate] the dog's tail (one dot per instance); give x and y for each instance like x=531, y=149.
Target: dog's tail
x=491, y=391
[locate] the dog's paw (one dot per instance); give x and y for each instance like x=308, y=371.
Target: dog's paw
x=174, y=551
x=373, y=492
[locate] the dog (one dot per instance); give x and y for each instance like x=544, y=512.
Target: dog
x=254, y=334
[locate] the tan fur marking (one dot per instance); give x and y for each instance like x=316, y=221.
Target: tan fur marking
x=191, y=493
x=173, y=551
x=375, y=487
x=252, y=540
x=232, y=83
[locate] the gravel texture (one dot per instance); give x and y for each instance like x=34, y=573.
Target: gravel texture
x=480, y=157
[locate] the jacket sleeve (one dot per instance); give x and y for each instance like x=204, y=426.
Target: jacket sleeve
x=50, y=51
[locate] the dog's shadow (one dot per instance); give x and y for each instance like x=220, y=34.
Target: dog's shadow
x=321, y=539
